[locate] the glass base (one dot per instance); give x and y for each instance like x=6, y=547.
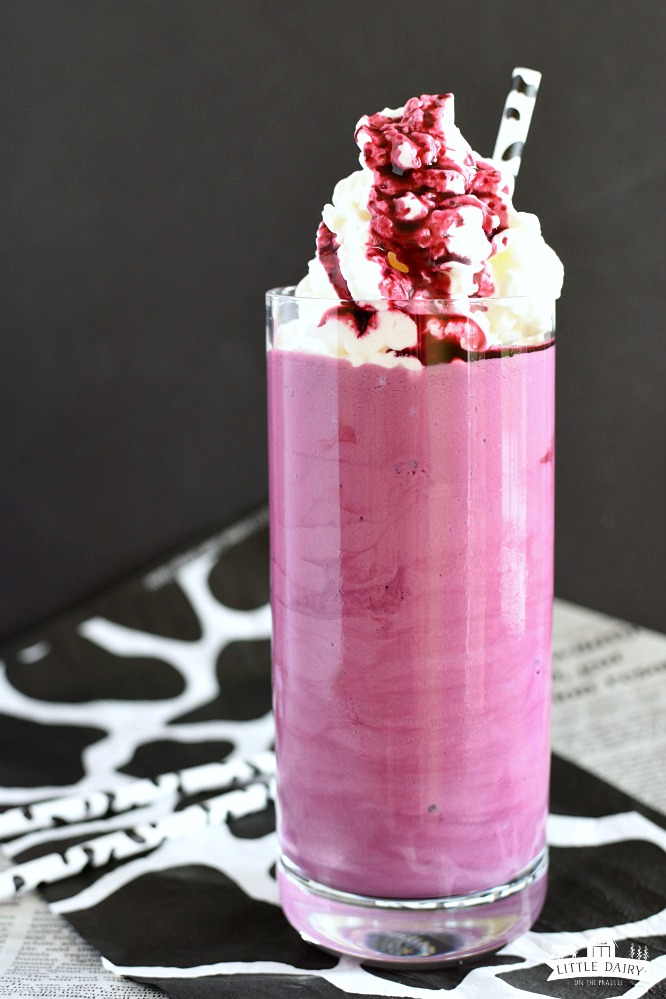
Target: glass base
x=413, y=932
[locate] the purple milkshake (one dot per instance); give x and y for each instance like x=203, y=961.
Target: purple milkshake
x=411, y=498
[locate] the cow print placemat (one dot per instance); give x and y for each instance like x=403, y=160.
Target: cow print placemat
x=172, y=669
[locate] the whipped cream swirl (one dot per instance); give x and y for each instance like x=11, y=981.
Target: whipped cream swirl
x=425, y=218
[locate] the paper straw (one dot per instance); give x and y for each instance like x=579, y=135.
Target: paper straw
x=516, y=117
x=100, y=804
x=125, y=843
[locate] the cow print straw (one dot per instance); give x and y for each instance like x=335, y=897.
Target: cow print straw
x=516, y=118
x=124, y=843
x=58, y=812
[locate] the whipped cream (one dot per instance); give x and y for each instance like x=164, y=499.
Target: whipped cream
x=425, y=227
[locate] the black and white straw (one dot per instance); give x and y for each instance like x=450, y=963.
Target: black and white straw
x=102, y=804
x=124, y=843
x=516, y=118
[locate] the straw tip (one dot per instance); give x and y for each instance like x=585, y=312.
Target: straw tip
x=530, y=76
x=516, y=118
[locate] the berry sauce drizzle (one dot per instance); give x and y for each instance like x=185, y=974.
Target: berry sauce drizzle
x=327, y=251
x=431, y=197
x=427, y=185
x=362, y=318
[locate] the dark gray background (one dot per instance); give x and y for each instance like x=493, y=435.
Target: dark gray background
x=163, y=163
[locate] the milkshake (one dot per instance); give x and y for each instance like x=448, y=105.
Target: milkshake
x=410, y=381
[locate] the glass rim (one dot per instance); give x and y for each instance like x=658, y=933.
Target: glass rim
x=287, y=294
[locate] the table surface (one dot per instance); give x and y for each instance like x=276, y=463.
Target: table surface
x=609, y=703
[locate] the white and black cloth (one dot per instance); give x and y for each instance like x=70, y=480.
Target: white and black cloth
x=171, y=670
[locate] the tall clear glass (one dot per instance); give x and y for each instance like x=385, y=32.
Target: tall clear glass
x=411, y=520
